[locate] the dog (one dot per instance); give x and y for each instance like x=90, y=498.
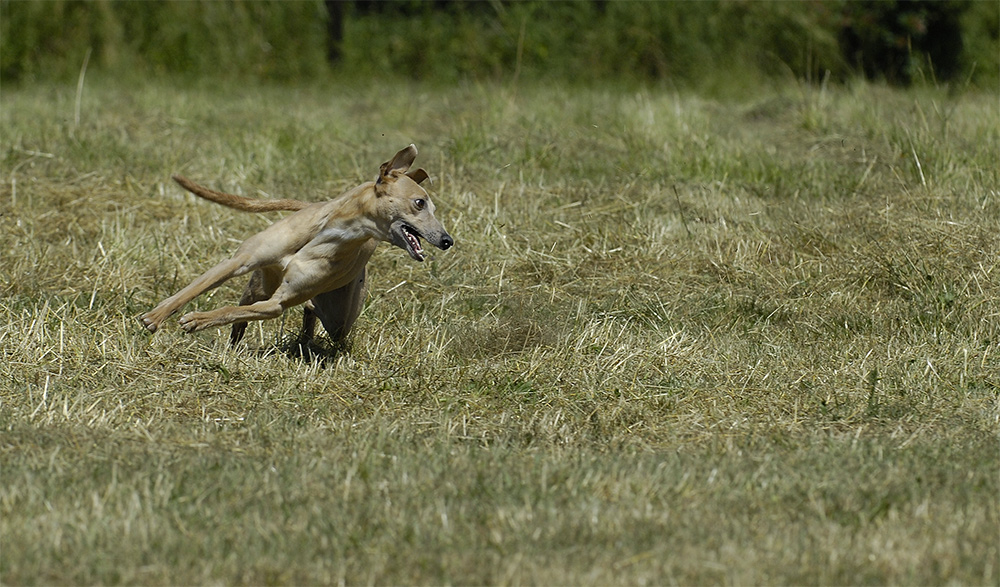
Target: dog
x=337, y=309
x=316, y=256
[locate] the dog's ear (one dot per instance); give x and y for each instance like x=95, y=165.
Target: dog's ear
x=418, y=175
x=400, y=161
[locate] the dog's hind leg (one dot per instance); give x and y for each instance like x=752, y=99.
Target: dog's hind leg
x=340, y=308
x=308, y=330
x=260, y=287
x=300, y=346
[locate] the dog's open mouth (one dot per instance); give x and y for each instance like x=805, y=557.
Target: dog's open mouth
x=412, y=239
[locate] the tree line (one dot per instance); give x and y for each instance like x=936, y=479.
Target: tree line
x=681, y=43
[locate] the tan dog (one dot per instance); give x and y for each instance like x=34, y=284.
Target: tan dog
x=337, y=309
x=317, y=254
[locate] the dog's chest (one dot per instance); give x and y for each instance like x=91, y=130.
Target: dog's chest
x=334, y=245
x=334, y=235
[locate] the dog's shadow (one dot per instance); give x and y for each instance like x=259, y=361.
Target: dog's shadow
x=321, y=351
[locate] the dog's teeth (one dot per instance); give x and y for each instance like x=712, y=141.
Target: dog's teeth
x=414, y=242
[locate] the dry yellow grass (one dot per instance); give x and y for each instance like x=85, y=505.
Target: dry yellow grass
x=678, y=341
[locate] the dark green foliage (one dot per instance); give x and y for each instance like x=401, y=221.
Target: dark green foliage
x=713, y=44
x=265, y=39
x=893, y=40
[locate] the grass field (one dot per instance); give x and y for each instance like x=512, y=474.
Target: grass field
x=678, y=341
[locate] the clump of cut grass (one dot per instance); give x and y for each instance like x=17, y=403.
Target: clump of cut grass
x=677, y=340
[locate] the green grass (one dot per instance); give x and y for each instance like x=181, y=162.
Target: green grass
x=678, y=341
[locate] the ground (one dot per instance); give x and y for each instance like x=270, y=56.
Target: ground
x=677, y=341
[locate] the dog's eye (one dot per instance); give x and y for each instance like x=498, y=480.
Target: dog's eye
x=419, y=204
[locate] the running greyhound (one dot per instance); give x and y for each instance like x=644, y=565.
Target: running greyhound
x=317, y=255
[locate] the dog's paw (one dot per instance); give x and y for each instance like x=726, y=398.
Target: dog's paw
x=192, y=322
x=150, y=323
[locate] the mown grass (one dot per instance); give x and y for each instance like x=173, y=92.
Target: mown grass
x=678, y=341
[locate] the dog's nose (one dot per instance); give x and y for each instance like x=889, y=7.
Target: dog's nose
x=446, y=242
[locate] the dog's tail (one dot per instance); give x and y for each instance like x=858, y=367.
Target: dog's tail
x=238, y=202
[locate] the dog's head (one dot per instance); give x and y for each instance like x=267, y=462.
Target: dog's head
x=407, y=207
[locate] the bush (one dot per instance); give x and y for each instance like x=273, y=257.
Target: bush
x=268, y=40
x=683, y=43
x=892, y=40
x=702, y=44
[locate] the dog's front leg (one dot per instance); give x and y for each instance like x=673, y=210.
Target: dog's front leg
x=288, y=294
x=265, y=310
x=212, y=278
